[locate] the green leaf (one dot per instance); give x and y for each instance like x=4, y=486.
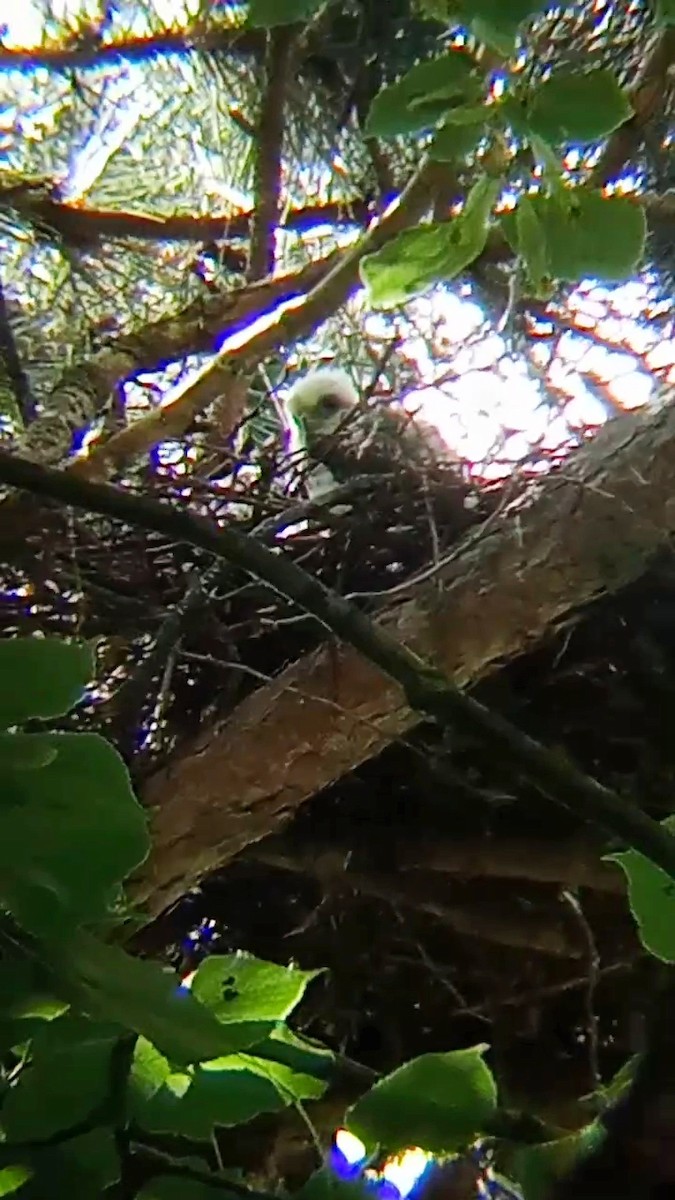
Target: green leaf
x=578, y=107
x=302, y=1054
x=69, y=833
x=226, y=1091
x=651, y=895
x=240, y=988
x=112, y=986
x=82, y=1167
x=497, y=23
x=439, y=1102
x=591, y=235
x=418, y=258
x=24, y=1005
x=532, y=246
x=266, y=14
x=25, y=752
x=455, y=140
x=67, y=1079
x=424, y=95
x=41, y=677
x=12, y=1178
x=536, y=1168
x=665, y=12
x=22, y=981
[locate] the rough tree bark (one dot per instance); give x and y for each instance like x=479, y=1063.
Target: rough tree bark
x=589, y=529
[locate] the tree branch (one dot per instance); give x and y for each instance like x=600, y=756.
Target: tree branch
x=281, y=46
x=238, y=41
x=295, y=323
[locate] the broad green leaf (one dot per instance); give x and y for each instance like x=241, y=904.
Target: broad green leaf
x=405, y=266
x=591, y=235
x=176, y=1187
x=532, y=246
x=578, y=106
x=536, y=1168
x=497, y=22
x=302, y=1054
x=241, y=988
x=68, y=1078
x=424, y=95
x=226, y=1091
x=665, y=12
x=268, y=13
x=439, y=1102
x=456, y=140
x=69, y=834
x=429, y=254
x=22, y=994
x=81, y=1168
x=24, y=1006
x=651, y=895
x=112, y=986
x=25, y=752
x=12, y=1178
x=41, y=677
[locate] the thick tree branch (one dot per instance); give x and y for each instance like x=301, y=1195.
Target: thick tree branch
x=571, y=863
x=88, y=53
x=85, y=389
x=425, y=688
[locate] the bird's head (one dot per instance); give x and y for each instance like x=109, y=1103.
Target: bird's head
x=320, y=402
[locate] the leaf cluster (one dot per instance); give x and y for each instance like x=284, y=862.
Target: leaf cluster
x=103, y=1053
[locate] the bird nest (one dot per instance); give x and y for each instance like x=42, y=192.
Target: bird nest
x=449, y=902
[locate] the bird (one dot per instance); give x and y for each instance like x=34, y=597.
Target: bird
x=334, y=428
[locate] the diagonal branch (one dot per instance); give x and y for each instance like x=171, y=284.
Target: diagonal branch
x=85, y=389
x=227, y=368
x=238, y=41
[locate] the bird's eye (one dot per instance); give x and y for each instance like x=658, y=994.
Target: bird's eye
x=331, y=403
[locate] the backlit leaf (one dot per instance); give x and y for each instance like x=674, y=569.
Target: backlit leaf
x=536, y=1168
x=578, y=106
x=225, y=1091
x=591, y=236
x=651, y=895
x=439, y=1102
x=113, y=986
x=423, y=96
x=418, y=258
